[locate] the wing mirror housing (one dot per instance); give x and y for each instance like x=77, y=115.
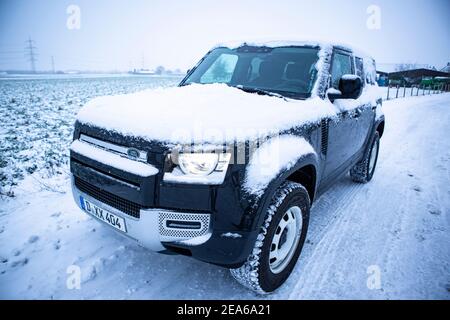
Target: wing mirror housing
x=350, y=87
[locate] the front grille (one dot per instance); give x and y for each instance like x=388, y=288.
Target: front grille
x=126, y=206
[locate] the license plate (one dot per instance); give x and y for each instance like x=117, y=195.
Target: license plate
x=103, y=215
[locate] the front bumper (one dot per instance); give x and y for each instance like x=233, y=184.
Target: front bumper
x=145, y=202
x=151, y=230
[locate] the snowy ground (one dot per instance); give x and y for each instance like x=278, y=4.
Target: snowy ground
x=398, y=224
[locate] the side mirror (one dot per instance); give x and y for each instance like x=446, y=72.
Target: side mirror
x=350, y=87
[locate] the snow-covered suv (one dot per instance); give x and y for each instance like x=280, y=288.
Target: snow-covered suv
x=225, y=167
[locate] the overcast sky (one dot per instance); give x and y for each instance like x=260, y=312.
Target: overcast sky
x=117, y=34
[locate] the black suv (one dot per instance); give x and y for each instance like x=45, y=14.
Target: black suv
x=225, y=167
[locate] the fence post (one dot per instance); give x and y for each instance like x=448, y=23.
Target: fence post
x=389, y=86
x=423, y=90
x=398, y=87
x=404, y=91
x=412, y=89
x=429, y=90
x=418, y=89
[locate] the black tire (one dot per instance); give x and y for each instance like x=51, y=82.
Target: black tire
x=257, y=272
x=363, y=171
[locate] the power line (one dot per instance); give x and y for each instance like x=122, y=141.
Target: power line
x=30, y=53
x=53, y=64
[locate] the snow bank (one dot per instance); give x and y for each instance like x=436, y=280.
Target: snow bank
x=273, y=157
x=214, y=113
x=113, y=160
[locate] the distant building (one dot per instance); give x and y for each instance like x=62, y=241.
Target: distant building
x=382, y=78
x=143, y=72
x=415, y=76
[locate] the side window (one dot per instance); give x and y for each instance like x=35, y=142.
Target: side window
x=342, y=64
x=359, y=63
x=221, y=71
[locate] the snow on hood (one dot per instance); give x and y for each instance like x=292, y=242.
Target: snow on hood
x=214, y=113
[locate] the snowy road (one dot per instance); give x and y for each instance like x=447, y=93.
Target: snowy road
x=397, y=225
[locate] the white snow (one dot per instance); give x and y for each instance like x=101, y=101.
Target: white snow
x=349, y=77
x=273, y=157
x=231, y=235
x=322, y=66
x=398, y=224
x=177, y=176
x=113, y=160
x=214, y=113
x=197, y=240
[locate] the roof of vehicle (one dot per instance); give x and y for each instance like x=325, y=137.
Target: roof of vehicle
x=298, y=42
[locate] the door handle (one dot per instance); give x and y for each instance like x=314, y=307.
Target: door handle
x=356, y=113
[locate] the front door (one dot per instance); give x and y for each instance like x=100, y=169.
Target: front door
x=340, y=129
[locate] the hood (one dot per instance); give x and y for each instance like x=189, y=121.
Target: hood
x=214, y=113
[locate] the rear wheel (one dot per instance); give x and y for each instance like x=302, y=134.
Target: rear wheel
x=363, y=171
x=279, y=242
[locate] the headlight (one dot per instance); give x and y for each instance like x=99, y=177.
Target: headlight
x=202, y=167
x=198, y=164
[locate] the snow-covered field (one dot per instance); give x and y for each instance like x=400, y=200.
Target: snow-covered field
x=37, y=116
x=398, y=225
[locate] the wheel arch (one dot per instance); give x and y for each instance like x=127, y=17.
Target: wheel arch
x=380, y=128
x=306, y=176
x=303, y=172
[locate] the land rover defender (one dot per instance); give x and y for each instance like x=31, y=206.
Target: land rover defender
x=225, y=167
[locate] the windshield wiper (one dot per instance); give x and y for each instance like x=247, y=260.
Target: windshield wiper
x=260, y=91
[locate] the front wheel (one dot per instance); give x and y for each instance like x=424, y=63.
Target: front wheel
x=279, y=242
x=363, y=171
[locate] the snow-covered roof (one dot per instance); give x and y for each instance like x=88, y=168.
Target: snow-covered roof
x=273, y=43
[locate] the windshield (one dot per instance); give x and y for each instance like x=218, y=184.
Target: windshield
x=288, y=71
